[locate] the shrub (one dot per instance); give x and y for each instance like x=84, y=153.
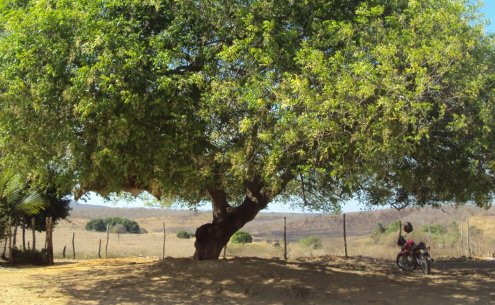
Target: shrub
x=119, y=228
x=377, y=232
x=130, y=225
x=30, y=257
x=241, y=237
x=120, y=224
x=311, y=242
x=435, y=229
x=183, y=235
x=97, y=225
x=393, y=227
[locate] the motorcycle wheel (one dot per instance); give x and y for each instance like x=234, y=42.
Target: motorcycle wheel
x=424, y=262
x=404, y=264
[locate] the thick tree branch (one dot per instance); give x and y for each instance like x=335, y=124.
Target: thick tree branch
x=219, y=203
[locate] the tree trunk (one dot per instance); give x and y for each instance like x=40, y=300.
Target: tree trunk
x=211, y=238
x=33, y=227
x=5, y=243
x=23, y=237
x=14, y=237
x=11, y=254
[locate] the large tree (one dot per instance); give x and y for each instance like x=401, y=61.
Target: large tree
x=241, y=102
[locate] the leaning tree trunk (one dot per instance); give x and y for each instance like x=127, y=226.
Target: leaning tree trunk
x=14, y=237
x=211, y=238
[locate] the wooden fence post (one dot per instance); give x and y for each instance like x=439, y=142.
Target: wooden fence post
x=63, y=251
x=164, y=237
x=468, y=237
x=345, y=238
x=99, y=249
x=285, y=238
x=73, y=245
x=106, y=246
x=429, y=235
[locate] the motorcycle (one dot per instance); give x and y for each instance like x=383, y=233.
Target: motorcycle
x=412, y=255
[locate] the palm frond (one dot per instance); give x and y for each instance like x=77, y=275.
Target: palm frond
x=32, y=205
x=16, y=200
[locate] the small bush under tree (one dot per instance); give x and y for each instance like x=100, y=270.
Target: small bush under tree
x=393, y=227
x=377, y=232
x=241, y=237
x=311, y=242
x=183, y=235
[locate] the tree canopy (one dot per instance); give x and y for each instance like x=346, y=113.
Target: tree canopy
x=245, y=101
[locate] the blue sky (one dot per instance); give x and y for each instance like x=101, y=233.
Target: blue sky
x=488, y=10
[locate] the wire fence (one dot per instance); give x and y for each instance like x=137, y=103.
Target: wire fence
x=452, y=240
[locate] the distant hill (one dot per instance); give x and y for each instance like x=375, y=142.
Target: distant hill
x=270, y=225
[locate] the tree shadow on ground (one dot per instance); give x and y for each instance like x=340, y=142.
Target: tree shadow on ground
x=6, y=265
x=263, y=281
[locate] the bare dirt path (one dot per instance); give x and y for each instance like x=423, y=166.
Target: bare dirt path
x=324, y=280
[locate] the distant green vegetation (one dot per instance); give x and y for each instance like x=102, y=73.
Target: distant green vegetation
x=97, y=224
x=446, y=235
x=184, y=234
x=393, y=227
x=116, y=225
x=241, y=237
x=434, y=229
x=381, y=229
x=311, y=242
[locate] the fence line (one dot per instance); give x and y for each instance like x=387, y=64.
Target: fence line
x=350, y=246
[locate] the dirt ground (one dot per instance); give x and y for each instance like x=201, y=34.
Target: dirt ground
x=323, y=280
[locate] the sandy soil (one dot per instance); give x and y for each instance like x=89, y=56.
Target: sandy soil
x=324, y=280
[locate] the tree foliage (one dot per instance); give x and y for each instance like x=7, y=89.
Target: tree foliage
x=242, y=102
x=57, y=208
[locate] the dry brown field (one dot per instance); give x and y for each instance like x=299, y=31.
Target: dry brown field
x=267, y=231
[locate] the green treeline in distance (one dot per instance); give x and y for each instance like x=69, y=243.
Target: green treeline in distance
x=117, y=224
